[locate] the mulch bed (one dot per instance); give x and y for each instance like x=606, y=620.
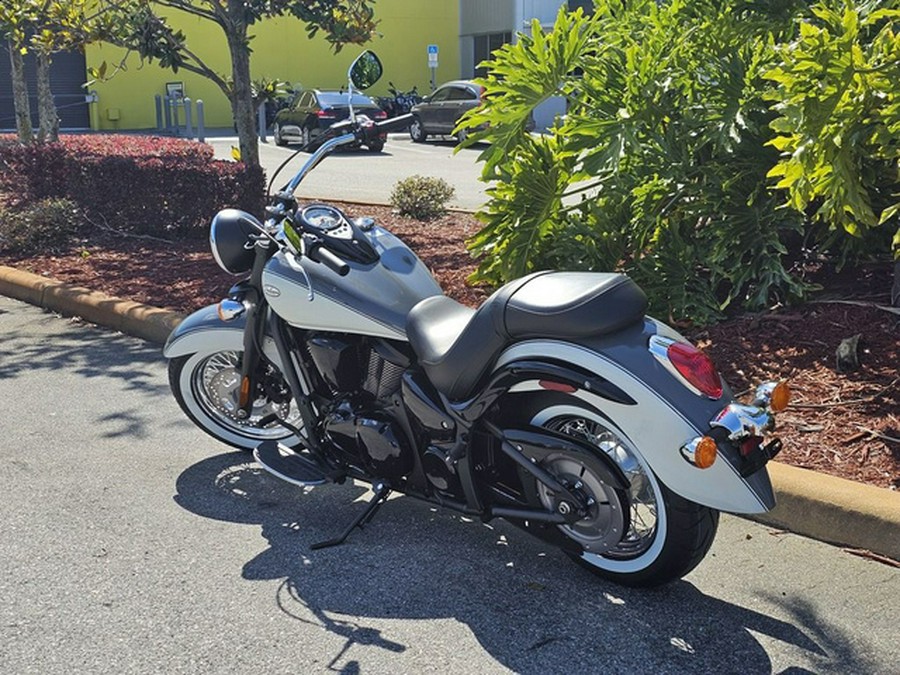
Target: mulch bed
x=847, y=425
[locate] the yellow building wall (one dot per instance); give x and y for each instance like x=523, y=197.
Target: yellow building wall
x=282, y=50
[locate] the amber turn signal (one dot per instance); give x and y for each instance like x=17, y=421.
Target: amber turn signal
x=781, y=396
x=706, y=452
x=701, y=452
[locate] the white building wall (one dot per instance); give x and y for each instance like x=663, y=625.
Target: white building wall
x=477, y=17
x=486, y=16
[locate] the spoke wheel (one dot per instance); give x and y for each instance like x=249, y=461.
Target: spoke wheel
x=601, y=529
x=665, y=535
x=643, y=507
x=207, y=387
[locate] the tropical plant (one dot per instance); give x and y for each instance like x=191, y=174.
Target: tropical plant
x=659, y=167
x=837, y=92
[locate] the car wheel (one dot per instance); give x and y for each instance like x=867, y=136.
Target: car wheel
x=304, y=138
x=376, y=146
x=462, y=135
x=276, y=134
x=417, y=131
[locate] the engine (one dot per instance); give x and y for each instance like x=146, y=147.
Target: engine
x=363, y=378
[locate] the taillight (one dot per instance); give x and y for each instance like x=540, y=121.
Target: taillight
x=325, y=115
x=380, y=115
x=695, y=367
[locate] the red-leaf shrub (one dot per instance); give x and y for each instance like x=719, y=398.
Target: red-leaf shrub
x=141, y=184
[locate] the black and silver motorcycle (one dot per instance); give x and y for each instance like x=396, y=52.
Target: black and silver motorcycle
x=557, y=405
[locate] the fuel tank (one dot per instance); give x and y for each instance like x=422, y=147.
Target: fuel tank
x=373, y=299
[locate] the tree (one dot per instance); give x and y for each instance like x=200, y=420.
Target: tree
x=138, y=25
x=14, y=20
x=43, y=27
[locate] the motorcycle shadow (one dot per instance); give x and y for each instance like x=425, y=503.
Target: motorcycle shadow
x=529, y=606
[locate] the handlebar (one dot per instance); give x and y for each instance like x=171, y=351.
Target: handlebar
x=320, y=254
x=398, y=123
x=355, y=133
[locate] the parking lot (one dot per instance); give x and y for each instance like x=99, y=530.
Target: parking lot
x=362, y=176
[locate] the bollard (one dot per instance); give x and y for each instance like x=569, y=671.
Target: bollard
x=175, y=119
x=159, y=115
x=262, y=122
x=167, y=101
x=201, y=130
x=188, y=125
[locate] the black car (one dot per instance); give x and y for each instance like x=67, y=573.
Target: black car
x=439, y=112
x=311, y=113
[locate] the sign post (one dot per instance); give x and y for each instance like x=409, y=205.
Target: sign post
x=433, y=63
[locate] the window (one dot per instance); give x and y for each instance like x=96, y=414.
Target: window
x=485, y=46
x=461, y=94
x=440, y=95
x=586, y=5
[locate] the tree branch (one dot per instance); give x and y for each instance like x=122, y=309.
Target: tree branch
x=202, y=69
x=189, y=9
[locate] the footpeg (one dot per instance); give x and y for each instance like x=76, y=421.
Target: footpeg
x=287, y=465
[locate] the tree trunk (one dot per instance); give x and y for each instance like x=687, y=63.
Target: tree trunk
x=20, y=95
x=895, y=289
x=48, y=130
x=241, y=92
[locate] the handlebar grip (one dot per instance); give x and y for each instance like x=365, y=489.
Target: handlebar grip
x=398, y=123
x=330, y=260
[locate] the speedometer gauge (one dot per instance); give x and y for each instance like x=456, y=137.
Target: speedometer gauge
x=321, y=217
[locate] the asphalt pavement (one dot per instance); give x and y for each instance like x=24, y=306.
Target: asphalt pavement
x=133, y=543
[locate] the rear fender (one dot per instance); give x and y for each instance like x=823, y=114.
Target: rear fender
x=204, y=332
x=656, y=424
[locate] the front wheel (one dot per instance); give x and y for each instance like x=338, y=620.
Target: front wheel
x=207, y=385
x=276, y=134
x=376, y=146
x=667, y=535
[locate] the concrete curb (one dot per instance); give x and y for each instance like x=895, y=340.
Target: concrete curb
x=143, y=321
x=813, y=504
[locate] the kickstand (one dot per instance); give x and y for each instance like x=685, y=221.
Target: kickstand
x=381, y=494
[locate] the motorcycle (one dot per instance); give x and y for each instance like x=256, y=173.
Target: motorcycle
x=399, y=102
x=557, y=405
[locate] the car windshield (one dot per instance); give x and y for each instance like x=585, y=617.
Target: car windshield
x=335, y=98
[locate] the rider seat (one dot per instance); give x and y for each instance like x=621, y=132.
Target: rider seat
x=456, y=344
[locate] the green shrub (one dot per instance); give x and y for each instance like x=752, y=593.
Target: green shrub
x=837, y=93
x=44, y=226
x=663, y=164
x=421, y=197
x=134, y=183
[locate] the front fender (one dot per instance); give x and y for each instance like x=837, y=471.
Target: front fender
x=203, y=331
x=655, y=425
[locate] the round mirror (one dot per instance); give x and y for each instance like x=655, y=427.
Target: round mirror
x=365, y=71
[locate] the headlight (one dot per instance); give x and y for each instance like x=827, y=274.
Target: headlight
x=230, y=240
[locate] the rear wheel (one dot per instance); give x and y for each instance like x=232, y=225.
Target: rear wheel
x=376, y=146
x=417, y=131
x=207, y=386
x=666, y=535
